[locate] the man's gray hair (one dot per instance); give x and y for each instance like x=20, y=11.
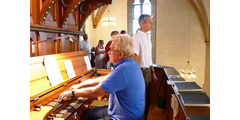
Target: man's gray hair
x=142, y=18
x=123, y=42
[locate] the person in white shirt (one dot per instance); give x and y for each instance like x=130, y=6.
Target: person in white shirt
x=143, y=55
x=84, y=45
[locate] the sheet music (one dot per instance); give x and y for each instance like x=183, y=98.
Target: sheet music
x=174, y=76
x=87, y=61
x=52, y=70
x=170, y=82
x=69, y=68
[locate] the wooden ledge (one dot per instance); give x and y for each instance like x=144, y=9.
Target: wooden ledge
x=35, y=27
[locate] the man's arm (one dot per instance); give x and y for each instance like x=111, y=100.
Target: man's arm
x=136, y=49
x=95, y=91
x=153, y=73
x=89, y=83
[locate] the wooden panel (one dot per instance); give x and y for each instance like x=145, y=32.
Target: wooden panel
x=64, y=75
x=35, y=8
x=39, y=115
x=183, y=111
x=54, y=94
x=52, y=29
x=61, y=64
x=38, y=76
x=41, y=91
x=205, y=111
x=103, y=71
x=77, y=59
x=37, y=72
x=79, y=65
x=158, y=89
x=39, y=85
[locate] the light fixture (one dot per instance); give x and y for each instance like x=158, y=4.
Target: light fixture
x=109, y=20
x=72, y=38
x=188, y=72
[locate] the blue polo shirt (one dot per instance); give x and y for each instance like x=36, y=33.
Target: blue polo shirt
x=126, y=87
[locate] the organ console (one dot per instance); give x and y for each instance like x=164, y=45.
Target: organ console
x=53, y=74
x=44, y=91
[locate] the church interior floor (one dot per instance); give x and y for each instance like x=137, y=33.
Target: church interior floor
x=156, y=113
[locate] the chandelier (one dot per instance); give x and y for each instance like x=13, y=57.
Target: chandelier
x=109, y=20
x=188, y=72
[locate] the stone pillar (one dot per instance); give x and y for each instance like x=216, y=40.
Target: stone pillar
x=206, y=85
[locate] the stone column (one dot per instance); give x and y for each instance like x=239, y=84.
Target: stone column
x=206, y=85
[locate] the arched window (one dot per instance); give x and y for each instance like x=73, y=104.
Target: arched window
x=143, y=7
x=135, y=9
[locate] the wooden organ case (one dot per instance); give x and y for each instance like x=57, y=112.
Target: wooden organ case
x=44, y=104
x=51, y=21
x=56, y=63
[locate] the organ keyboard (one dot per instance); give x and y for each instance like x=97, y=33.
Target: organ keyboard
x=44, y=103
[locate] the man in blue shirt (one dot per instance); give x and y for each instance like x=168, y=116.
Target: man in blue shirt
x=125, y=84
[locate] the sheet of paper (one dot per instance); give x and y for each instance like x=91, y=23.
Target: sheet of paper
x=170, y=82
x=69, y=68
x=87, y=61
x=174, y=76
x=52, y=70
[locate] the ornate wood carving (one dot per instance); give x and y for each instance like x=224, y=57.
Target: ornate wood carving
x=66, y=3
x=70, y=9
x=93, y=5
x=83, y=7
x=96, y=18
x=60, y=10
x=46, y=8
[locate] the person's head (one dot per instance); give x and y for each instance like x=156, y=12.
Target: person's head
x=120, y=48
x=114, y=33
x=123, y=32
x=85, y=37
x=100, y=43
x=145, y=22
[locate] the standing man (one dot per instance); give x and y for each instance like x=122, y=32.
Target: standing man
x=84, y=45
x=143, y=55
x=125, y=84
